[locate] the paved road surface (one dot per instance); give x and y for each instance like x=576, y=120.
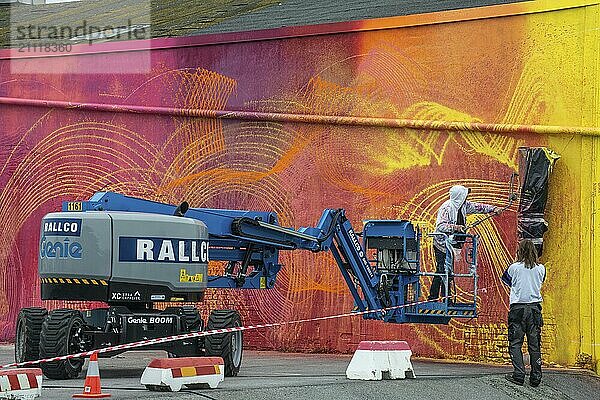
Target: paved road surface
x=271, y=375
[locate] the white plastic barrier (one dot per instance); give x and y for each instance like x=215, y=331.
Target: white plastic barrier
x=24, y=383
x=171, y=374
x=375, y=361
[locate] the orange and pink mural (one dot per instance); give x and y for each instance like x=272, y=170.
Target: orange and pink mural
x=379, y=117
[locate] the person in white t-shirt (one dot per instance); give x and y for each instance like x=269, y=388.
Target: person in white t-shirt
x=525, y=278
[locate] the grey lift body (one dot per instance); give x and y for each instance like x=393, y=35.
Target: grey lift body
x=123, y=257
x=130, y=261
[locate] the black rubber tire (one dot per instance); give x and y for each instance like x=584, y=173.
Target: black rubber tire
x=193, y=320
x=56, y=339
x=195, y=324
x=228, y=346
x=27, y=338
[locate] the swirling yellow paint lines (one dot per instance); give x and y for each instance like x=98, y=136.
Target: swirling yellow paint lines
x=407, y=148
x=541, y=94
x=247, y=174
x=346, y=165
x=377, y=152
x=316, y=274
x=261, y=149
x=502, y=148
x=206, y=90
x=189, y=88
x=264, y=144
x=327, y=98
x=385, y=72
x=22, y=139
x=361, y=168
x=93, y=135
x=433, y=143
x=74, y=160
x=493, y=255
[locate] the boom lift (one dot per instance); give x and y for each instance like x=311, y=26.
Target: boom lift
x=131, y=253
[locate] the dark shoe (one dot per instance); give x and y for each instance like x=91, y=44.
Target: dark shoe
x=534, y=383
x=511, y=378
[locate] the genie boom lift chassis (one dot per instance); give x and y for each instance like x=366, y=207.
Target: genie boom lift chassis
x=131, y=253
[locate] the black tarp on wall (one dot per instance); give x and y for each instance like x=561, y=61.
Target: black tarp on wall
x=535, y=166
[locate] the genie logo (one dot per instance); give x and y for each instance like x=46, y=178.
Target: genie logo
x=60, y=249
x=135, y=249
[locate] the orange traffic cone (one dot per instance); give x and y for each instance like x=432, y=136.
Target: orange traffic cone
x=92, y=389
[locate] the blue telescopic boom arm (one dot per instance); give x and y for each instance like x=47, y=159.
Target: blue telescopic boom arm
x=253, y=239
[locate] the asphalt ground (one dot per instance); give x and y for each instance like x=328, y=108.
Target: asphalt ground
x=272, y=375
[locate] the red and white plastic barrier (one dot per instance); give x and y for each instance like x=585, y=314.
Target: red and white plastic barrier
x=171, y=374
x=20, y=383
x=374, y=361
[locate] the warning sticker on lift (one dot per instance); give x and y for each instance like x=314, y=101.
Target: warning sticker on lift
x=185, y=277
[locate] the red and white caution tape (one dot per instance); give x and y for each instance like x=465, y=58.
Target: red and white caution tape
x=190, y=335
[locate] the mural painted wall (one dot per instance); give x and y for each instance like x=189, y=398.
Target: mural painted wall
x=532, y=66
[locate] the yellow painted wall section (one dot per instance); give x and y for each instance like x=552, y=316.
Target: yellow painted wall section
x=595, y=259
x=591, y=85
x=565, y=65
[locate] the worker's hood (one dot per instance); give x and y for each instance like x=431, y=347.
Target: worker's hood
x=458, y=195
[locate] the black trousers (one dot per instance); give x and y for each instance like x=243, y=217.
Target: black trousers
x=440, y=268
x=525, y=319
